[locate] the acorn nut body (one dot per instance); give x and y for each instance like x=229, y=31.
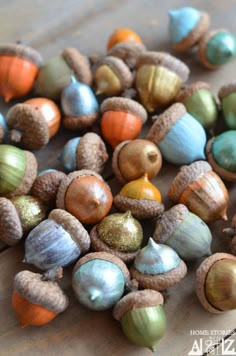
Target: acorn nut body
x=227, y=96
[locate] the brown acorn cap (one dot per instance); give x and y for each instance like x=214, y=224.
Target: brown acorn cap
x=164, y=122
x=79, y=64
x=128, y=51
x=79, y=122
x=190, y=89
x=169, y=222
x=140, y=208
x=201, y=275
x=195, y=35
x=2, y=133
x=126, y=105
x=10, y=225
x=135, y=300
x=166, y=60
x=226, y=90
x=98, y=245
x=160, y=281
x=187, y=175
x=115, y=157
x=48, y=294
x=73, y=227
x=27, y=126
x=45, y=187
x=91, y=152
x=19, y=50
x=106, y=257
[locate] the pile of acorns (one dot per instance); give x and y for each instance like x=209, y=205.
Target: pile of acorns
x=80, y=201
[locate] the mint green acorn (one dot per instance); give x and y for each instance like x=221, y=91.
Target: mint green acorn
x=227, y=96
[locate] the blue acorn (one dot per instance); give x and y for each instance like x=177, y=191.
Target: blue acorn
x=3, y=127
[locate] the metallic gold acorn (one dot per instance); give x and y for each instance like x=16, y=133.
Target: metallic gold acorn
x=227, y=96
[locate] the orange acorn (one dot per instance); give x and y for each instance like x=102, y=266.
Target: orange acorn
x=123, y=35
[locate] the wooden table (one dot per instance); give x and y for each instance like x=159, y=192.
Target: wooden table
x=50, y=26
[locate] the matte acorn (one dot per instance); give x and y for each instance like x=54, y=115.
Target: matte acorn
x=227, y=96
x=122, y=35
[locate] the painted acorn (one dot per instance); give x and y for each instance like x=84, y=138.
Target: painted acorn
x=56, y=73
x=231, y=232
x=157, y=267
x=99, y=280
x=119, y=234
x=132, y=159
x=128, y=51
x=180, y=138
x=79, y=105
x=122, y=119
x=37, y=298
x=18, y=170
x=216, y=48
x=56, y=241
x=201, y=190
x=33, y=123
x=185, y=232
x=86, y=152
x=85, y=195
x=3, y=128
x=227, y=96
x=159, y=79
x=200, y=103
x=187, y=25
x=123, y=35
x=141, y=197
x=215, y=283
x=19, y=66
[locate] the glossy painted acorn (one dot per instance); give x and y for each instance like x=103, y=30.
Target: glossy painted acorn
x=57, y=241
x=18, y=170
x=79, y=105
x=227, y=96
x=122, y=35
x=179, y=136
x=3, y=128
x=215, y=283
x=201, y=190
x=37, y=298
x=99, y=280
x=142, y=317
x=231, y=232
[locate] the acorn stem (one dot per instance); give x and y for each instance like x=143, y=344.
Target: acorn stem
x=15, y=135
x=230, y=232
x=152, y=156
x=53, y=274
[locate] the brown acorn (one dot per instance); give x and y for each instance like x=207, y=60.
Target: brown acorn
x=128, y=51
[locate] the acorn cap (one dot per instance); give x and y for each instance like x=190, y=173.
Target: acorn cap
x=10, y=225
x=166, y=60
x=91, y=152
x=128, y=51
x=190, y=89
x=201, y=275
x=79, y=64
x=48, y=294
x=98, y=245
x=187, y=175
x=45, y=187
x=126, y=105
x=19, y=50
x=226, y=90
x=115, y=157
x=135, y=300
x=164, y=122
x=73, y=227
x=31, y=125
x=195, y=35
x=79, y=122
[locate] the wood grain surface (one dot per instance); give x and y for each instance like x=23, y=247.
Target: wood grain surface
x=50, y=26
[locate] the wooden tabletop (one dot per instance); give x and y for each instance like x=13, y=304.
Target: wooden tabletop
x=50, y=26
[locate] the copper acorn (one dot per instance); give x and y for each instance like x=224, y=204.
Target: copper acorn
x=33, y=122
x=128, y=51
x=231, y=232
x=201, y=190
x=85, y=195
x=37, y=298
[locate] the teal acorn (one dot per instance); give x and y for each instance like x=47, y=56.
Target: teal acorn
x=3, y=127
x=227, y=96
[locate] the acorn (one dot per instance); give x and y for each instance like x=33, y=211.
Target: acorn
x=56, y=241
x=3, y=127
x=159, y=79
x=119, y=234
x=128, y=51
x=231, y=232
x=85, y=195
x=227, y=96
x=187, y=25
x=19, y=66
x=111, y=76
x=33, y=123
x=121, y=35
x=179, y=136
x=157, y=267
x=201, y=190
x=200, y=103
x=79, y=105
x=37, y=298
x=99, y=280
x=56, y=73
x=122, y=119
x=216, y=48
x=221, y=154
x=185, y=232
x=132, y=159
x=18, y=216
x=142, y=317
x=86, y=152
x=18, y=170
x=141, y=197
x=215, y=283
